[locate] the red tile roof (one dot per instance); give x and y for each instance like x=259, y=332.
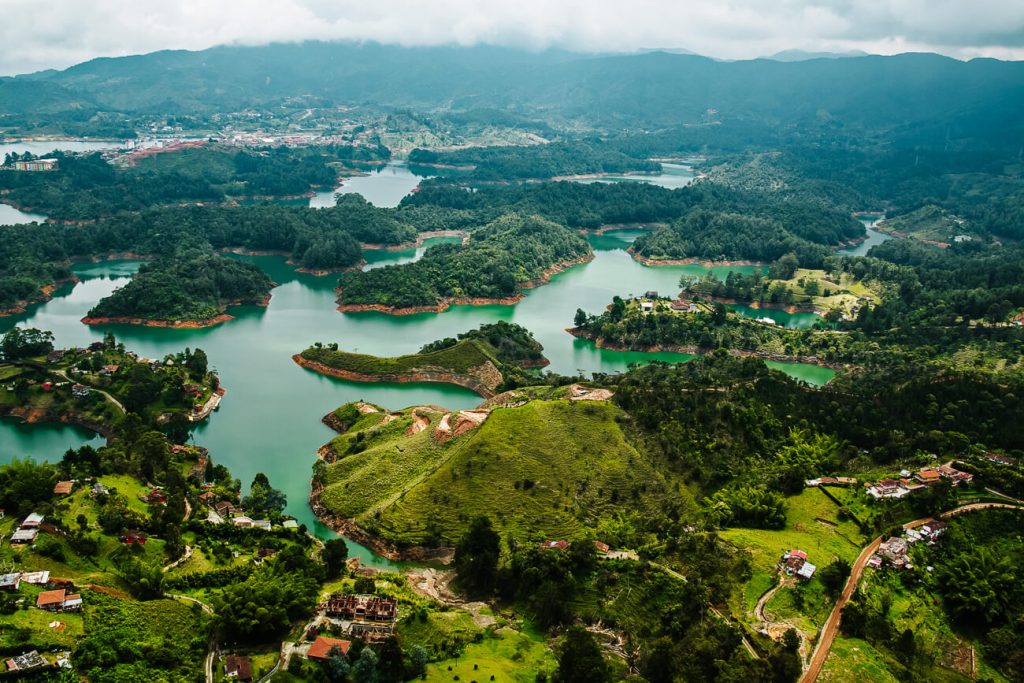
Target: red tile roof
x=50, y=598
x=63, y=487
x=323, y=645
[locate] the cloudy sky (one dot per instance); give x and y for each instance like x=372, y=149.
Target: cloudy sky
x=40, y=34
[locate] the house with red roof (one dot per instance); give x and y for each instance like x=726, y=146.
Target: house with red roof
x=322, y=646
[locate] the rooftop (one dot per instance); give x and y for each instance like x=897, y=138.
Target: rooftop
x=321, y=647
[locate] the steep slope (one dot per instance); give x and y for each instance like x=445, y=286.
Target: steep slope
x=547, y=469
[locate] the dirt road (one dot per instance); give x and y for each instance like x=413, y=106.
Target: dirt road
x=828, y=633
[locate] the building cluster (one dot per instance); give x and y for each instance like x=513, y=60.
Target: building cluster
x=227, y=512
x=909, y=482
x=35, y=165
x=794, y=563
x=28, y=529
x=893, y=551
x=358, y=616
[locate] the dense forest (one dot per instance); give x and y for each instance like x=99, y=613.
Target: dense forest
x=535, y=161
x=194, y=284
x=87, y=187
x=499, y=259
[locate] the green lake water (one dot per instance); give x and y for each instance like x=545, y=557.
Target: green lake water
x=672, y=176
x=269, y=420
x=383, y=186
x=12, y=216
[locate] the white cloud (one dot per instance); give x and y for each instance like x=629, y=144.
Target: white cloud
x=59, y=33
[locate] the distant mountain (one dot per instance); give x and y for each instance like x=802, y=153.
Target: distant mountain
x=802, y=55
x=924, y=94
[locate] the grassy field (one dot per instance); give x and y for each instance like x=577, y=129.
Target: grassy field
x=812, y=525
x=508, y=655
x=547, y=469
x=929, y=223
x=843, y=292
x=852, y=660
x=465, y=355
x=30, y=628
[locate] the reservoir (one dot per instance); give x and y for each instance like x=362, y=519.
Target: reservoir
x=270, y=418
x=12, y=216
x=383, y=186
x=672, y=176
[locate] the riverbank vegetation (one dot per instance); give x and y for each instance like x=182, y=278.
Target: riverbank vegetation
x=191, y=286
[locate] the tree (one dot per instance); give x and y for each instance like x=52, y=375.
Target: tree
x=25, y=484
x=390, y=665
x=834, y=576
x=581, y=318
x=477, y=554
x=21, y=342
x=197, y=364
x=785, y=267
x=365, y=668
x=263, y=497
x=581, y=660
x=334, y=555
x=978, y=585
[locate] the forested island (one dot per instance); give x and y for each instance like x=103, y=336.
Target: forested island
x=191, y=288
x=511, y=253
x=486, y=360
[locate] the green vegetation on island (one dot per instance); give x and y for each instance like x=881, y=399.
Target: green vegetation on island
x=194, y=286
x=500, y=259
x=486, y=360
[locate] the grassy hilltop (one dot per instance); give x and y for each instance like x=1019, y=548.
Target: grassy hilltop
x=544, y=469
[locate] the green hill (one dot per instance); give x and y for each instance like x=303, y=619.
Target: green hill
x=548, y=469
x=483, y=360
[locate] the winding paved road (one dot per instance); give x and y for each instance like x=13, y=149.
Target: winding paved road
x=828, y=632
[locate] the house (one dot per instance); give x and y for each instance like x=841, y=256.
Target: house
x=226, y=509
x=806, y=571
x=205, y=497
x=794, y=561
x=108, y=370
x=361, y=607
x=133, y=537
x=54, y=356
x=554, y=545
x=156, y=497
x=887, y=488
x=63, y=488
x=79, y=390
x=684, y=306
x=59, y=601
x=242, y=521
x=32, y=521
x=98, y=489
x=29, y=660
x=646, y=306
x=35, y=165
x=191, y=389
x=10, y=582
x=47, y=386
x=36, y=578
x=24, y=536
x=236, y=666
x=602, y=548
x=290, y=524
x=322, y=646
x=263, y=524
x=955, y=476
x=999, y=459
x=928, y=476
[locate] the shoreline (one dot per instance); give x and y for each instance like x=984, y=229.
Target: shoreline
x=426, y=374
x=418, y=242
x=791, y=309
x=623, y=226
x=39, y=415
x=349, y=528
x=174, y=324
x=45, y=295
x=693, y=350
x=692, y=261
x=444, y=304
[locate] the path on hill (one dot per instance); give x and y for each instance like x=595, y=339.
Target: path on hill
x=828, y=632
x=108, y=396
x=187, y=554
x=768, y=627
